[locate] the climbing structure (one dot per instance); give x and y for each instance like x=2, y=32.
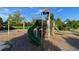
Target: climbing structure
x=49, y=27
x=39, y=38
x=31, y=33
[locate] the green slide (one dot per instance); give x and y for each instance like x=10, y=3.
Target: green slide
x=57, y=29
x=31, y=33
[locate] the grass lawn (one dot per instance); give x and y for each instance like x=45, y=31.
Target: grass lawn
x=21, y=27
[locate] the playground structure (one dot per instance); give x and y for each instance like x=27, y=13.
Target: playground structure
x=44, y=35
x=38, y=36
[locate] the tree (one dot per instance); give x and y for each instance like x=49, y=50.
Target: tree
x=71, y=24
x=1, y=23
x=52, y=17
x=68, y=24
x=59, y=23
x=75, y=24
x=33, y=21
x=10, y=24
x=17, y=18
x=1, y=26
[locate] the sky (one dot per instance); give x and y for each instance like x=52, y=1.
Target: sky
x=30, y=12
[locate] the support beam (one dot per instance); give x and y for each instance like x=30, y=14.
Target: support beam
x=49, y=26
x=8, y=27
x=23, y=25
x=53, y=28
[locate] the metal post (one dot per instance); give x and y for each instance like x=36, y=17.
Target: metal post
x=53, y=27
x=23, y=25
x=8, y=27
x=42, y=34
x=36, y=32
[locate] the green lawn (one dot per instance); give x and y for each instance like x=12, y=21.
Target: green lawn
x=21, y=27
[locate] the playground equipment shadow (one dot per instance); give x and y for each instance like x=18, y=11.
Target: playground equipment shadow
x=77, y=34
x=49, y=46
x=23, y=43
x=72, y=41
